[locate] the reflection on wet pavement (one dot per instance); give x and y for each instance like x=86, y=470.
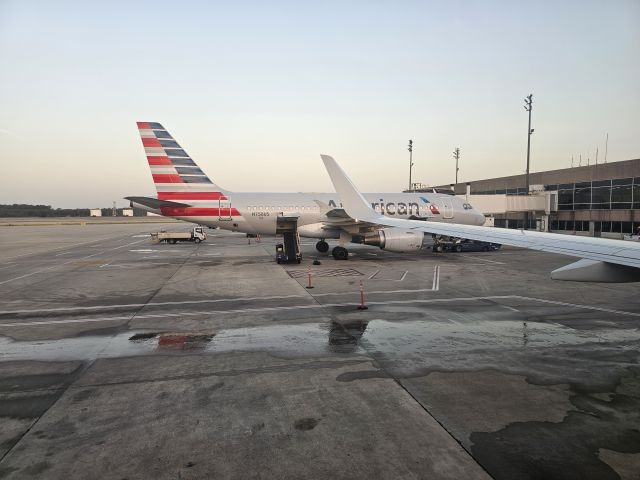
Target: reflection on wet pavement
x=410, y=343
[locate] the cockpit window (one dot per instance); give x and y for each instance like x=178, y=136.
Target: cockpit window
x=467, y=206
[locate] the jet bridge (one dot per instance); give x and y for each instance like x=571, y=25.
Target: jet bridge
x=539, y=203
x=289, y=250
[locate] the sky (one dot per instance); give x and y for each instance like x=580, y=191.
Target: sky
x=256, y=91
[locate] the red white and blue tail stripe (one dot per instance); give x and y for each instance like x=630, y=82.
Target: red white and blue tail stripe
x=178, y=179
x=175, y=174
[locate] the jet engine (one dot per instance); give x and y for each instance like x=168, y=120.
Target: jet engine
x=317, y=230
x=396, y=240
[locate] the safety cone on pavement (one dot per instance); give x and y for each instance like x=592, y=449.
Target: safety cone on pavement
x=309, y=276
x=362, y=306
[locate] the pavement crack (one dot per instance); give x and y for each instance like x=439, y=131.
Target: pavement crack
x=157, y=290
x=73, y=377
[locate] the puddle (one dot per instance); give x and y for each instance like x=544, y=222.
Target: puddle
x=346, y=334
x=439, y=336
x=285, y=340
x=140, y=337
x=412, y=342
x=414, y=347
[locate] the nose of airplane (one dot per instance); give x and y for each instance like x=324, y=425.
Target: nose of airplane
x=479, y=218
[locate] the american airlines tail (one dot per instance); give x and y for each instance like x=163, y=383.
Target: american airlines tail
x=175, y=174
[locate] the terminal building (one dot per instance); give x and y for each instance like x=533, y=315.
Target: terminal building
x=602, y=199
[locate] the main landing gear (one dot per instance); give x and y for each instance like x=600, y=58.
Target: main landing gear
x=322, y=246
x=340, y=253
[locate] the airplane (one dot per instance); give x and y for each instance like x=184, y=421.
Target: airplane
x=602, y=260
x=185, y=192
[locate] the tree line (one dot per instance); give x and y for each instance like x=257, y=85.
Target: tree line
x=24, y=210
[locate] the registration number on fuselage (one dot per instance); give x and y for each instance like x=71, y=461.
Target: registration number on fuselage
x=259, y=214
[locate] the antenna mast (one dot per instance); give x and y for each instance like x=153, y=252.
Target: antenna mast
x=410, y=161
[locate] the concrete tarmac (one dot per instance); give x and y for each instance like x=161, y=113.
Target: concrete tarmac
x=120, y=358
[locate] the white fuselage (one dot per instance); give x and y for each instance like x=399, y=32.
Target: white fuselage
x=257, y=213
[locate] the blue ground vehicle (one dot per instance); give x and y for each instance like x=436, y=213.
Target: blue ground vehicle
x=472, y=246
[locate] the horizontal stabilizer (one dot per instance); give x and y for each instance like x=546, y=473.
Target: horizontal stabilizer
x=594, y=271
x=155, y=203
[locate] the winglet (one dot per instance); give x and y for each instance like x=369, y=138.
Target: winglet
x=352, y=200
x=324, y=208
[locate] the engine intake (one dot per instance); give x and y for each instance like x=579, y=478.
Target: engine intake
x=396, y=240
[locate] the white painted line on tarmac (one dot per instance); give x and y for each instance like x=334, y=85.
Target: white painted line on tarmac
x=104, y=264
x=354, y=292
x=250, y=310
x=67, y=262
x=63, y=248
x=436, y=278
x=487, y=260
x=151, y=304
x=310, y=307
x=511, y=308
x=436, y=287
x=70, y=320
x=577, y=305
x=242, y=310
x=389, y=279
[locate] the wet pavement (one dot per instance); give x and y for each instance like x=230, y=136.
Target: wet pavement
x=211, y=361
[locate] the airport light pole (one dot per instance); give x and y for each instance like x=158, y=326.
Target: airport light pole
x=456, y=155
x=528, y=106
x=410, y=161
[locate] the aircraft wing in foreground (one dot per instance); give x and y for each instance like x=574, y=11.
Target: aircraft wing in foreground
x=602, y=260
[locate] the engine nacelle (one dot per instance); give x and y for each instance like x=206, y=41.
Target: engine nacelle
x=396, y=240
x=317, y=230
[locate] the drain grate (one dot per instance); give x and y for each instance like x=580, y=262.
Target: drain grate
x=334, y=272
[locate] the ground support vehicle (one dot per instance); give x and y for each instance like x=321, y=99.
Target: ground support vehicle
x=195, y=235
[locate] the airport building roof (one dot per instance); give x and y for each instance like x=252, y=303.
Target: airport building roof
x=589, y=173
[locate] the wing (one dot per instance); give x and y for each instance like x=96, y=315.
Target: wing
x=613, y=253
x=337, y=218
